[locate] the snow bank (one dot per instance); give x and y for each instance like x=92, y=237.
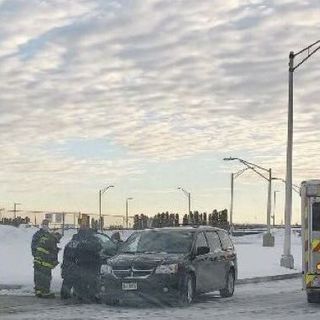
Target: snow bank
x=16, y=263
x=255, y=260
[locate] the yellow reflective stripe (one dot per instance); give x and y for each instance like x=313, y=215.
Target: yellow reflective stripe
x=43, y=250
x=43, y=239
x=316, y=245
x=309, y=279
x=44, y=264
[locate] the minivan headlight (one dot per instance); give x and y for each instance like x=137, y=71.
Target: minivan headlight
x=167, y=268
x=106, y=269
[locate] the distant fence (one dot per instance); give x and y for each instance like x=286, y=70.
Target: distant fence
x=58, y=220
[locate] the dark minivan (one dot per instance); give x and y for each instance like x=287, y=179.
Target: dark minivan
x=171, y=264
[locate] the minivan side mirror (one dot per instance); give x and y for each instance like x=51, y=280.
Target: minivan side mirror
x=202, y=250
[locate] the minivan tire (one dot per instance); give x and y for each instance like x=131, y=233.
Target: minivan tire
x=188, y=290
x=228, y=290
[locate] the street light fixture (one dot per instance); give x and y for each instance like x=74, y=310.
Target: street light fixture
x=188, y=195
x=101, y=192
x=127, y=212
x=287, y=258
x=294, y=187
x=268, y=238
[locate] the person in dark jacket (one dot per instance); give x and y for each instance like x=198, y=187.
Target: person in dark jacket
x=82, y=265
x=69, y=268
x=45, y=250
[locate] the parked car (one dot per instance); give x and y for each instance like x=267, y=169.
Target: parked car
x=171, y=263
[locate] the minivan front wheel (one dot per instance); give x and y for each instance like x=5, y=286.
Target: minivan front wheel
x=188, y=290
x=228, y=290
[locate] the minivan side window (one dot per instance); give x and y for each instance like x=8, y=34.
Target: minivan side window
x=225, y=240
x=214, y=241
x=201, y=241
x=316, y=216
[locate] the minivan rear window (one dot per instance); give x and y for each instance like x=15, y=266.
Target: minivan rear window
x=225, y=240
x=214, y=241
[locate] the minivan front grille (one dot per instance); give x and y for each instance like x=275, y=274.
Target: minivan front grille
x=131, y=273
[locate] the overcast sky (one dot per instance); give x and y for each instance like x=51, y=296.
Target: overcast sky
x=149, y=95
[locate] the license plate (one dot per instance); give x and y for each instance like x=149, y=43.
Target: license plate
x=129, y=286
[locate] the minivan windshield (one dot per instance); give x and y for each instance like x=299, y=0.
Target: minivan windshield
x=154, y=241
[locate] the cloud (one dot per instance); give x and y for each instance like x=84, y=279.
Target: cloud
x=164, y=80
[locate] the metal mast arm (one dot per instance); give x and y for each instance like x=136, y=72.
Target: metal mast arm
x=309, y=53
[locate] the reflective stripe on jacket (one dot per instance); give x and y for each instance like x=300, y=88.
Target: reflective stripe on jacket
x=45, y=249
x=44, y=263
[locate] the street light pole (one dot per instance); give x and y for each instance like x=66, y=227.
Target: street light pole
x=269, y=203
x=127, y=212
x=274, y=206
x=101, y=192
x=231, y=203
x=100, y=214
x=188, y=195
x=233, y=177
x=15, y=209
x=287, y=258
x=268, y=238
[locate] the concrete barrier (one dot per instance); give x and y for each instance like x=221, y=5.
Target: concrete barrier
x=10, y=287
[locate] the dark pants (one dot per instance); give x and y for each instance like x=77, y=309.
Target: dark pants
x=42, y=278
x=86, y=286
x=67, y=285
x=69, y=274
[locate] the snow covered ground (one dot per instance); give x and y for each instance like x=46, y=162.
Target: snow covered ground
x=16, y=259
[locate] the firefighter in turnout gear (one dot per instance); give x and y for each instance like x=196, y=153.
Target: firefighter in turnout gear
x=45, y=252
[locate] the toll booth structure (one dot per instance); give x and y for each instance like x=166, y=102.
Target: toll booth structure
x=310, y=235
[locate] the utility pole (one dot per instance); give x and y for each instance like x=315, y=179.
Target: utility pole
x=287, y=258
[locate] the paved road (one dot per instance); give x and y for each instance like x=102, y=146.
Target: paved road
x=274, y=300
